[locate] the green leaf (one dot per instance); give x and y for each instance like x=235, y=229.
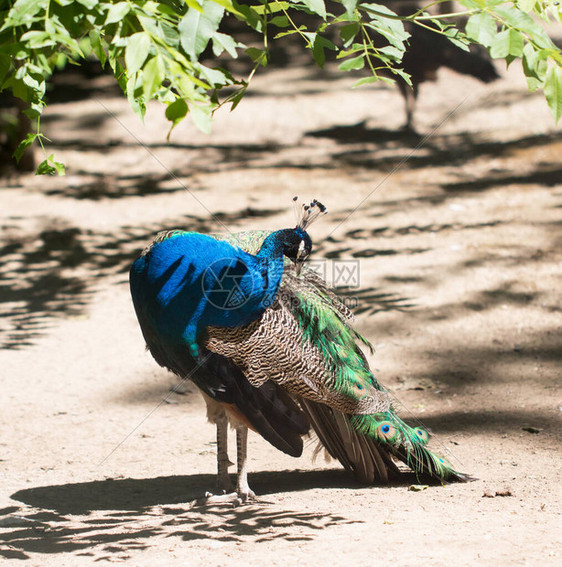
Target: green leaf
x=34, y=110
x=480, y=4
x=135, y=94
x=196, y=28
x=507, y=43
x=553, y=91
x=37, y=39
x=525, y=23
x=169, y=34
x=355, y=48
x=457, y=38
x=24, y=12
x=392, y=52
x=88, y=3
x=348, y=33
x=320, y=44
x=366, y=81
x=228, y=6
x=280, y=21
x=182, y=81
x=349, y=6
x=117, y=12
x=201, y=116
x=353, y=64
x=269, y=8
x=97, y=47
x=44, y=168
x=214, y=77
x=175, y=113
x=237, y=97
x=195, y=4
x=137, y=51
x=149, y=23
x=59, y=166
x=290, y=32
x=50, y=167
x=222, y=41
x=23, y=145
x=401, y=73
x=153, y=74
x=535, y=67
x=257, y=55
x=391, y=28
x=481, y=28
x=316, y=7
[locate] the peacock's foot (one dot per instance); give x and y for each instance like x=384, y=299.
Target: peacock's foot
x=245, y=492
x=234, y=498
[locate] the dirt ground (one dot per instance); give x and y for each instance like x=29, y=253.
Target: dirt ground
x=456, y=234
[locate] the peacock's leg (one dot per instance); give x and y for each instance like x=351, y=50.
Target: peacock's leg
x=242, y=487
x=223, y=462
x=217, y=415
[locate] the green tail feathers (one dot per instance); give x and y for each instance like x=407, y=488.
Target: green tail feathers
x=409, y=444
x=325, y=322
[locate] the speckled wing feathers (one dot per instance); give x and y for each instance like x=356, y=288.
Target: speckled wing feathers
x=272, y=348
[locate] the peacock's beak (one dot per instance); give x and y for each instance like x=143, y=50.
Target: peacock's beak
x=298, y=266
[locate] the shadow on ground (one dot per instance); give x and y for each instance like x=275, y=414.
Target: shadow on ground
x=111, y=517
x=357, y=147
x=131, y=494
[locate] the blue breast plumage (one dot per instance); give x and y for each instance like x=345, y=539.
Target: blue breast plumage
x=190, y=281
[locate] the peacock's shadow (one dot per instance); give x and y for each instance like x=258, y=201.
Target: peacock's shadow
x=136, y=495
x=110, y=518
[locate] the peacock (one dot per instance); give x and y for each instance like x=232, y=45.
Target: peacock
x=272, y=349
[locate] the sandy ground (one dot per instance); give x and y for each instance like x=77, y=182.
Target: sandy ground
x=455, y=238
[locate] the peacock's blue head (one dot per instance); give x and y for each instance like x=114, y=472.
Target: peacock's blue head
x=296, y=245
x=299, y=244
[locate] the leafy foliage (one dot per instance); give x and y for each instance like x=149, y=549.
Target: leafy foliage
x=155, y=47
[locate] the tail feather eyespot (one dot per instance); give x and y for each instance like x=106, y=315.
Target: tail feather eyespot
x=386, y=431
x=422, y=434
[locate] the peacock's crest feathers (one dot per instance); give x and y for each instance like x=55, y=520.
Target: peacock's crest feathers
x=307, y=214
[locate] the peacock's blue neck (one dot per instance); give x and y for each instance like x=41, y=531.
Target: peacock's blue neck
x=272, y=261
x=273, y=246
